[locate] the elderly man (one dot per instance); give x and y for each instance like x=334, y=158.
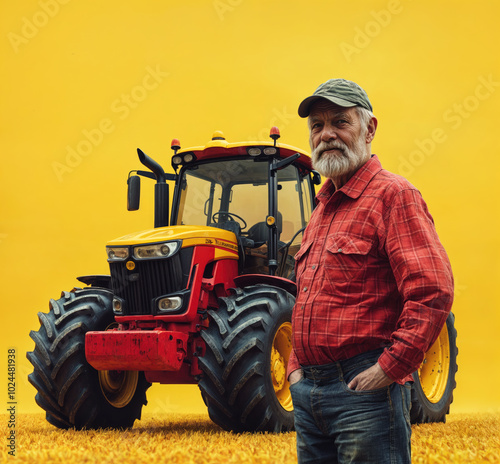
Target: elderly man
x=374, y=289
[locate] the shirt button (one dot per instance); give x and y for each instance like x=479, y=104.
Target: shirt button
x=340, y=250
x=305, y=289
x=313, y=266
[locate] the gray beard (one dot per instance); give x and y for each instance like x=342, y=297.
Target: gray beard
x=341, y=163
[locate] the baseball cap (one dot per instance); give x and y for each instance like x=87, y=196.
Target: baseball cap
x=339, y=91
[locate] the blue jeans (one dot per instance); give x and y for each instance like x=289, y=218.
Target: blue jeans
x=335, y=424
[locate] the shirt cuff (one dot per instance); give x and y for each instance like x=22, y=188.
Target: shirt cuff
x=393, y=369
x=293, y=363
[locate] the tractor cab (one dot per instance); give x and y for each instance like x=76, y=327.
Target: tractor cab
x=261, y=191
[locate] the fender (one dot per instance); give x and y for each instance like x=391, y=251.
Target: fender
x=246, y=280
x=97, y=280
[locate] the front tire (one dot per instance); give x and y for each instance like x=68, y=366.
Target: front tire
x=70, y=390
x=434, y=382
x=248, y=343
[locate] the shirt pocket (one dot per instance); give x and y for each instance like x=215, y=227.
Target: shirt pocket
x=345, y=256
x=304, y=248
x=300, y=257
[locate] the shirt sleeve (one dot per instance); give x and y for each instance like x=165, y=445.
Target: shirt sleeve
x=424, y=280
x=293, y=363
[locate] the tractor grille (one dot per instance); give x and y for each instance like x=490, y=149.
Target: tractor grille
x=149, y=280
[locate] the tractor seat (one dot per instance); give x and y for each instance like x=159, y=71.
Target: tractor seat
x=259, y=232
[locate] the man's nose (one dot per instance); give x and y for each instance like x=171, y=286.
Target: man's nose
x=328, y=133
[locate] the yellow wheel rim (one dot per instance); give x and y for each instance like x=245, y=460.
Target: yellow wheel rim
x=434, y=370
x=280, y=353
x=118, y=387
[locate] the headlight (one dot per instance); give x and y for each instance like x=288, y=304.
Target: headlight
x=188, y=157
x=117, y=305
x=169, y=304
x=158, y=250
x=254, y=151
x=117, y=253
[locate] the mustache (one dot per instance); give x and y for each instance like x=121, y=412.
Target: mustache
x=332, y=145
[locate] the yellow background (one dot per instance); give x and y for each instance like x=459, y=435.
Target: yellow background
x=430, y=68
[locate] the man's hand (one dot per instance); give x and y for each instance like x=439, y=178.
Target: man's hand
x=295, y=376
x=371, y=379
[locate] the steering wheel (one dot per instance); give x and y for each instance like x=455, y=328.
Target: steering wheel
x=231, y=217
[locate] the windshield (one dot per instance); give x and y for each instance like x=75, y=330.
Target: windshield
x=240, y=187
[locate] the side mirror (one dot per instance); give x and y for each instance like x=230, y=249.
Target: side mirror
x=316, y=177
x=133, y=193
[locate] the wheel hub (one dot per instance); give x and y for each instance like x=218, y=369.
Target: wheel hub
x=434, y=370
x=118, y=387
x=280, y=353
x=278, y=369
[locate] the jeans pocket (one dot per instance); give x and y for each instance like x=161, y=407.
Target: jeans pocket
x=292, y=385
x=348, y=376
x=406, y=397
x=298, y=394
x=378, y=392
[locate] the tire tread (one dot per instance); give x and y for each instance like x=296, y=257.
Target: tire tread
x=422, y=411
x=236, y=384
x=67, y=386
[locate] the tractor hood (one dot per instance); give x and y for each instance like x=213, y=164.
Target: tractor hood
x=189, y=235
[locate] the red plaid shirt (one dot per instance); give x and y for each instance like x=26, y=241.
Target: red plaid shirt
x=371, y=273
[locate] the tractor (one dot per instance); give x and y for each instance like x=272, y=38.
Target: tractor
x=205, y=297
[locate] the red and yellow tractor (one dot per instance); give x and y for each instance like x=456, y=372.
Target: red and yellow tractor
x=205, y=297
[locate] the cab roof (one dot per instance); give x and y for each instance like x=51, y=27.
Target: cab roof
x=219, y=147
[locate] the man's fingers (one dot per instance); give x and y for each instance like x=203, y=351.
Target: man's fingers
x=352, y=384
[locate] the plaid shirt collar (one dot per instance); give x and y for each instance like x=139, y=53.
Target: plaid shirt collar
x=355, y=186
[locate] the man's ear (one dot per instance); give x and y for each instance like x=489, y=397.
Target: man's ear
x=372, y=128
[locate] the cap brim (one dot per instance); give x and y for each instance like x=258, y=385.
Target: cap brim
x=305, y=106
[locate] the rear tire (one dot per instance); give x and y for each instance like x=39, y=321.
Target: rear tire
x=70, y=390
x=434, y=382
x=248, y=343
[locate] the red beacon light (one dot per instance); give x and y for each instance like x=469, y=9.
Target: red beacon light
x=275, y=134
x=175, y=145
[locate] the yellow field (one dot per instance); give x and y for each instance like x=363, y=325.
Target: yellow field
x=179, y=438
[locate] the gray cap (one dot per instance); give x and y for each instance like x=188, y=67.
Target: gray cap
x=339, y=91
